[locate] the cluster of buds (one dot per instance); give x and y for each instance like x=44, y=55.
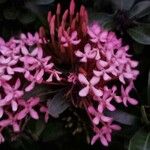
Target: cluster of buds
x=22, y=67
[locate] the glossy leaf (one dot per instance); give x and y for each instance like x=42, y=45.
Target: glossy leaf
x=123, y=117
x=140, y=10
x=44, y=2
x=57, y=105
x=10, y=13
x=53, y=131
x=140, y=34
x=104, y=19
x=123, y=4
x=148, y=88
x=26, y=17
x=140, y=141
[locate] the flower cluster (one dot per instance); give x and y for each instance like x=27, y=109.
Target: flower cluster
x=22, y=67
x=106, y=62
x=101, y=64
x=101, y=71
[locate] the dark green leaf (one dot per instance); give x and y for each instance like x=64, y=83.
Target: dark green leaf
x=140, y=10
x=104, y=19
x=35, y=128
x=2, y=1
x=26, y=17
x=44, y=2
x=148, y=89
x=144, y=115
x=10, y=13
x=57, y=105
x=35, y=10
x=141, y=33
x=140, y=141
x=53, y=131
x=123, y=117
x=123, y=4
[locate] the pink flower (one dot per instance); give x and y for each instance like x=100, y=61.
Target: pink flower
x=28, y=108
x=125, y=95
x=36, y=78
x=13, y=94
x=104, y=102
x=90, y=86
x=98, y=116
x=94, y=32
x=11, y=121
x=104, y=134
x=99, y=135
x=88, y=53
x=67, y=40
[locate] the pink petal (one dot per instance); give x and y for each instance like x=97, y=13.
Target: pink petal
x=17, y=84
x=5, y=123
x=16, y=127
x=100, y=108
x=105, y=119
x=106, y=77
x=74, y=35
x=104, y=141
x=97, y=92
x=24, y=50
x=94, y=80
x=84, y=92
x=34, y=114
x=22, y=114
x=115, y=127
x=1, y=112
x=83, y=79
x=30, y=87
x=132, y=101
x=97, y=73
x=75, y=42
x=79, y=53
x=34, y=101
x=96, y=120
x=94, y=139
x=14, y=105
x=87, y=48
x=103, y=63
x=40, y=75
x=40, y=53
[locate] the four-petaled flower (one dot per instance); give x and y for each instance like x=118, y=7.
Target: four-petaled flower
x=88, y=53
x=28, y=108
x=90, y=86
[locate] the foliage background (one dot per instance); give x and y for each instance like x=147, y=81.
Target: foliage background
x=130, y=19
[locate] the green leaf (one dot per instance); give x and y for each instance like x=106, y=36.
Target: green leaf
x=2, y=1
x=140, y=141
x=26, y=17
x=35, y=128
x=104, y=19
x=140, y=10
x=57, y=105
x=140, y=34
x=123, y=4
x=10, y=13
x=123, y=117
x=53, y=131
x=148, y=89
x=44, y=2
